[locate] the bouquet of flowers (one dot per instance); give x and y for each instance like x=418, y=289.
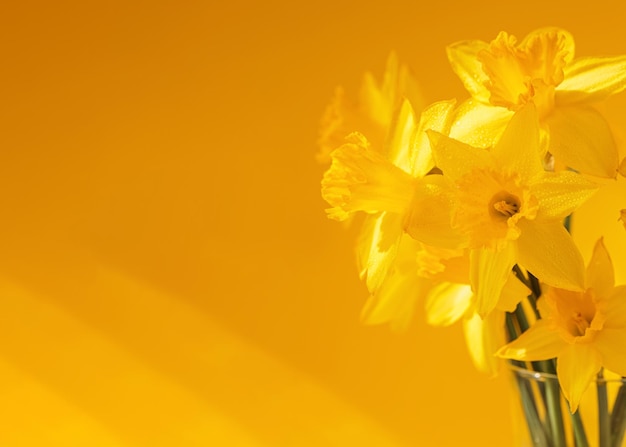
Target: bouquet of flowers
x=467, y=212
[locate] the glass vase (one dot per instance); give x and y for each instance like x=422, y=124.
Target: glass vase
x=542, y=418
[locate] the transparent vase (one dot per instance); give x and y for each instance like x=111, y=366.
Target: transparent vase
x=541, y=415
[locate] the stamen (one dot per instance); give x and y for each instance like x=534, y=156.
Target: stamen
x=506, y=208
x=580, y=322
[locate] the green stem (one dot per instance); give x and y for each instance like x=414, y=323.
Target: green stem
x=535, y=427
x=618, y=418
x=520, y=275
x=521, y=318
x=511, y=330
x=555, y=414
x=522, y=321
x=550, y=391
x=553, y=401
x=580, y=436
x=567, y=223
x=579, y=430
x=604, y=422
x=535, y=286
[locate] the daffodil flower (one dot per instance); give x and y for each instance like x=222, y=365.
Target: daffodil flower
x=503, y=76
x=505, y=208
x=585, y=331
x=362, y=179
x=373, y=113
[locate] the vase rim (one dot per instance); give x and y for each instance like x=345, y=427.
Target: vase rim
x=543, y=376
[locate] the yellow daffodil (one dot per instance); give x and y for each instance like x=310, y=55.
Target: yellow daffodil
x=373, y=113
x=504, y=207
x=361, y=179
x=503, y=76
x=585, y=330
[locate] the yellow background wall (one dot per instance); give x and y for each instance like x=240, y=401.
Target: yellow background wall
x=167, y=273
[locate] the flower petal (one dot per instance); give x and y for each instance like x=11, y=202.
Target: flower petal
x=447, y=303
x=429, y=217
x=518, y=149
x=378, y=247
x=479, y=124
x=402, y=131
x=483, y=338
x=513, y=292
x=365, y=241
x=437, y=116
x=394, y=302
x=464, y=62
x=614, y=309
x=378, y=102
x=580, y=138
x=611, y=344
x=547, y=251
x=455, y=159
x=545, y=305
x=560, y=193
x=576, y=367
x=541, y=342
x=600, y=276
x=489, y=271
x=592, y=79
